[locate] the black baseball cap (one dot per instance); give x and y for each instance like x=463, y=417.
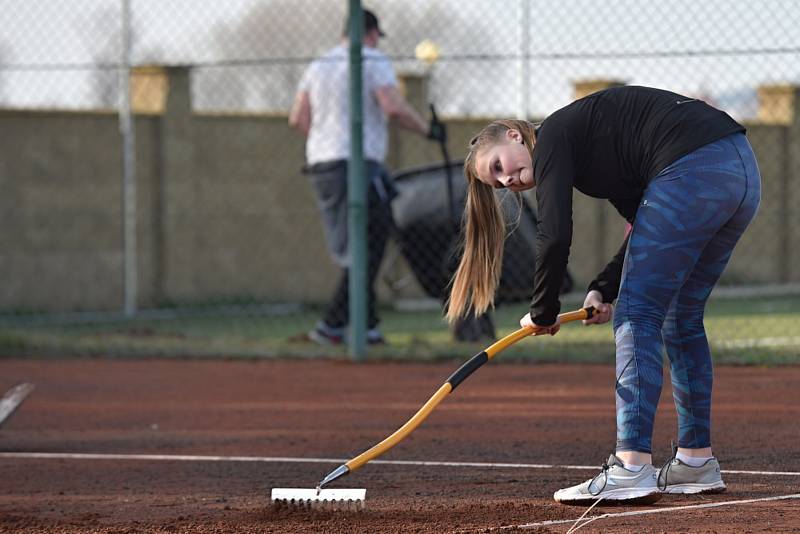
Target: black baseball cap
x=370, y=23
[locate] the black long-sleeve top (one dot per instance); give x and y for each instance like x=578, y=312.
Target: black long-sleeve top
x=608, y=145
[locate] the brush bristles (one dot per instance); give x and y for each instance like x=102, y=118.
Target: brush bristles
x=332, y=499
x=353, y=505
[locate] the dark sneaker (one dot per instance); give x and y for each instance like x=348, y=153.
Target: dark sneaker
x=614, y=483
x=677, y=477
x=374, y=337
x=323, y=334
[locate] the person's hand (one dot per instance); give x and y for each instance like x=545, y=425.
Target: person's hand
x=437, y=131
x=603, y=310
x=540, y=330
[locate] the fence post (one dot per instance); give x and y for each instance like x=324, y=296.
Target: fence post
x=128, y=130
x=790, y=192
x=357, y=194
x=177, y=225
x=777, y=106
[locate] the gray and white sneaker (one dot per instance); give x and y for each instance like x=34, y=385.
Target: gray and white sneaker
x=614, y=483
x=677, y=477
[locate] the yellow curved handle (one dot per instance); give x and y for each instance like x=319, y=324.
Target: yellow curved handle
x=510, y=339
x=401, y=432
x=445, y=390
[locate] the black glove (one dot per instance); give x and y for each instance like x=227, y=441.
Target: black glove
x=437, y=131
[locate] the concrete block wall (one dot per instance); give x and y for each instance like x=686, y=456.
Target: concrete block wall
x=224, y=211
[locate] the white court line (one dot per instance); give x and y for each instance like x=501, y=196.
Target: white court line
x=288, y=459
x=652, y=511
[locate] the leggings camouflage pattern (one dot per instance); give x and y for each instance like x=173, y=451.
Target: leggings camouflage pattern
x=689, y=220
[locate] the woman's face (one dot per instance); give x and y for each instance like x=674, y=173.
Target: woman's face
x=506, y=164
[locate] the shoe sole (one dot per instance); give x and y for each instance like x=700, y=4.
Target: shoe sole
x=690, y=488
x=622, y=496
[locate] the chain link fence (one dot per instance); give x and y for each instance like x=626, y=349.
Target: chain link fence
x=232, y=252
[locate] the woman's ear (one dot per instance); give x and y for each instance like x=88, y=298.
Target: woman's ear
x=514, y=135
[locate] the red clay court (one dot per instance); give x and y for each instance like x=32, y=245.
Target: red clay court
x=123, y=446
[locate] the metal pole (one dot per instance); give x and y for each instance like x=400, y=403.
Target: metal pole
x=523, y=67
x=127, y=129
x=357, y=194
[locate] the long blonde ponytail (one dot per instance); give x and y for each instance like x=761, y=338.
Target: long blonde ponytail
x=484, y=230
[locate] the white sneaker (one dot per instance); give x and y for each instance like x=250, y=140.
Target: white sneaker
x=677, y=477
x=614, y=483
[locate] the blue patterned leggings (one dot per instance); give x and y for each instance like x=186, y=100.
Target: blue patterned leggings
x=689, y=220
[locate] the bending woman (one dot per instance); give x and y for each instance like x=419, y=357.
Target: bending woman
x=684, y=174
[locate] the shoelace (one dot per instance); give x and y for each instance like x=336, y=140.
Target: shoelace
x=604, y=473
x=575, y=526
x=664, y=471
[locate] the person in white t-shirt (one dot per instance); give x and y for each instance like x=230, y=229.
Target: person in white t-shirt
x=321, y=113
